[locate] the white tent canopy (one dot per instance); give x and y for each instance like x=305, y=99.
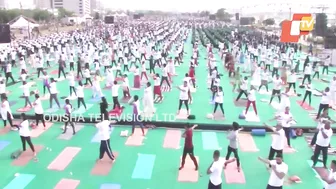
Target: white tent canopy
x=21, y=22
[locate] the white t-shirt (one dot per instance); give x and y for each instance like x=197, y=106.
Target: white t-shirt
x=219, y=97
x=216, y=171
x=125, y=82
x=115, y=90
x=80, y=92
x=278, y=142
x=325, y=99
x=277, y=84
x=53, y=89
x=24, y=129
x=332, y=175
x=243, y=85
x=324, y=142
x=104, y=130
x=71, y=79
x=284, y=118
x=25, y=89
x=251, y=96
x=274, y=179
x=157, y=81
x=184, y=93
x=187, y=79
x=38, y=107
x=2, y=88
x=292, y=78
x=165, y=72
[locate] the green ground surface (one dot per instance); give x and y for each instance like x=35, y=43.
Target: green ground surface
x=200, y=107
x=165, y=171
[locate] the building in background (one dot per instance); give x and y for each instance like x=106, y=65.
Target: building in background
x=43, y=4
x=79, y=7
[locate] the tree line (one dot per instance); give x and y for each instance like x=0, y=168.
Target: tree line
x=36, y=14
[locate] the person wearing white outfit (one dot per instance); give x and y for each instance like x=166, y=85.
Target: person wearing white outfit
x=96, y=87
x=148, y=100
x=109, y=77
x=25, y=133
x=330, y=179
x=6, y=113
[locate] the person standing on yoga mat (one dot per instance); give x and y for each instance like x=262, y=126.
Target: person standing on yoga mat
x=233, y=143
x=285, y=119
x=136, y=115
x=322, y=143
x=330, y=179
x=115, y=94
x=215, y=170
x=67, y=117
x=24, y=132
x=325, y=100
x=242, y=88
x=104, y=131
x=278, y=140
x=323, y=119
x=188, y=146
x=279, y=169
x=38, y=109
x=277, y=83
x=6, y=112
x=308, y=93
x=53, y=93
x=183, y=97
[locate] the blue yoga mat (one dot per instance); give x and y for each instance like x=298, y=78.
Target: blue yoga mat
x=96, y=137
x=210, y=141
x=144, y=166
x=82, y=109
x=110, y=186
x=3, y=144
x=20, y=182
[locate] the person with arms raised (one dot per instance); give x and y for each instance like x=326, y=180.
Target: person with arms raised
x=188, y=146
x=322, y=144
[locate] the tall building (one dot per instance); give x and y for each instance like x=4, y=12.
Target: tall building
x=79, y=7
x=43, y=4
x=93, y=5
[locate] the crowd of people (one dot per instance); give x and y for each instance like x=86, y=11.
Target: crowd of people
x=151, y=50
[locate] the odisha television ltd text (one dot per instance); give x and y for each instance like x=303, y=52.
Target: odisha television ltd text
x=162, y=117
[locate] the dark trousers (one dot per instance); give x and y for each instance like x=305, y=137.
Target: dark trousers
x=39, y=70
x=220, y=106
x=313, y=141
x=275, y=92
x=325, y=69
x=307, y=94
x=79, y=101
x=105, y=148
x=235, y=153
x=54, y=97
x=38, y=118
x=72, y=89
x=241, y=93
x=273, y=187
x=185, y=102
x=290, y=86
x=306, y=76
x=67, y=120
x=137, y=121
x=44, y=89
x=9, y=75
x=9, y=118
x=189, y=151
x=25, y=140
x=61, y=71
x=116, y=102
x=272, y=153
x=317, y=73
x=317, y=151
x=321, y=108
x=287, y=133
x=163, y=78
x=212, y=186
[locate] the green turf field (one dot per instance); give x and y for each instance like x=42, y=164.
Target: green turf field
x=201, y=104
x=165, y=171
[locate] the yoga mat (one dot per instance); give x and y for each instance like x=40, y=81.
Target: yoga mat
x=304, y=105
x=69, y=134
x=103, y=167
x=5, y=130
x=172, y=139
x=232, y=176
x=188, y=173
x=318, y=170
x=64, y=158
x=246, y=143
x=40, y=129
x=110, y=186
x=67, y=184
x=3, y=144
x=210, y=141
x=287, y=149
x=183, y=115
x=12, y=103
x=95, y=100
x=240, y=102
x=54, y=72
x=96, y=137
x=82, y=109
x=137, y=138
x=144, y=166
x=20, y=182
x=24, y=109
x=26, y=156
x=251, y=117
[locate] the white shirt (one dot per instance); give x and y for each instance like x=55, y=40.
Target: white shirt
x=53, y=89
x=278, y=142
x=115, y=90
x=157, y=81
x=165, y=72
x=292, y=78
x=71, y=79
x=87, y=73
x=251, y=96
x=216, y=171
x=184, y=93
x=187, y=80
x=25, y=89
x=125, y=82
x=324, y=142
x=80, y=92
x=308, y=70
x=24, y=129
x=243, y=85
x=274, y=179
x=38, y=107
x=9, y=68
x=277, y=84
x=285, y=119
x=104, y=130
x=219, y=97
x=332, y=175
x=2, y=88
x=325, y=99
x=5, y=108
x=68, y=109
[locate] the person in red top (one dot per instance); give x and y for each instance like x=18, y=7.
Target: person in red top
x=192, y=75
x=188, y=146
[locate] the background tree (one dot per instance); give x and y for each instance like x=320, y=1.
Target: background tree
x=269, y=22
x=204, y=14
x=62, y=13
x=96, y=16
x=36, y=14
x=221, y=14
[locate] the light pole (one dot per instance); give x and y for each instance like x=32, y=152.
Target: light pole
x=290, y=13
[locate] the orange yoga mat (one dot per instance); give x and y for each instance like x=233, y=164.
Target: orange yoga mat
x=26, y=156
x=172, y=139
x=246, y=143
x=137, y=138
x=103, y=167
x=188, y=173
